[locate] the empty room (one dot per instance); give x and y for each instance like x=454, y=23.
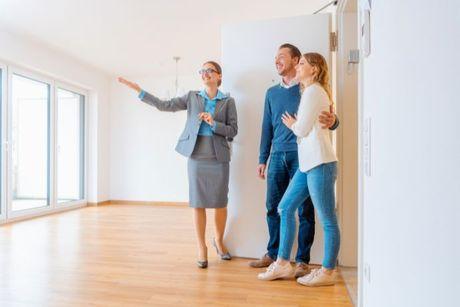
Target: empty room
x=229, y=153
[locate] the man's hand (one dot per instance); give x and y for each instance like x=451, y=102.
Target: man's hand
x=261, y=171
x=327, y=119
x=288, y=119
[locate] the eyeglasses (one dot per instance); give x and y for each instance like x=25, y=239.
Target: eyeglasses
x=207, y=71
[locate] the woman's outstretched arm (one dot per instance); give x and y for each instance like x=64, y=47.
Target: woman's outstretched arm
x=172, y=105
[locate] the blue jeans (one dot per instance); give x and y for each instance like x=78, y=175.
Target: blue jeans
x=318, y=183
x=281, y=169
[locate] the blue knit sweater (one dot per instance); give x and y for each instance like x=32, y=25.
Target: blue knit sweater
x=275, y=135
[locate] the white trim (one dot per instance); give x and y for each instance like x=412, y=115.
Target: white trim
x=8, y=146
x=53, y=148
x=86, y=147
x=71, y=88
x=339, y=135
x=3, y=143
x=360, y=174
x=341, y=69
x=43, y=74
x=347, y=85
x=85, y=94
x=13, y=69
x=44, y=212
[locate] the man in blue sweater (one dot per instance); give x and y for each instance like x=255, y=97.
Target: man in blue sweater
x=280, y=144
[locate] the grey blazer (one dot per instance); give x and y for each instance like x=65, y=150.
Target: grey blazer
x=224, y=116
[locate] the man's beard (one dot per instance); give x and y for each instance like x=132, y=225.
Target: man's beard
x=284, y=71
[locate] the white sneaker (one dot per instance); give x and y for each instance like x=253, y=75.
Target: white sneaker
x=317, y=278
x=307, y=277
x=277, y=271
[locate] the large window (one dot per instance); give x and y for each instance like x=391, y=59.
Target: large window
x=42, y=148
x=30, y=136
x=70, y=146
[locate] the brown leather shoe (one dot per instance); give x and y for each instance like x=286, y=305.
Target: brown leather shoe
x=263, y=262
x=301, y=269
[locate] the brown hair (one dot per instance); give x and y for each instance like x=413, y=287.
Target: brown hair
x=322, y=74
x=217, y=68
x=295, y=52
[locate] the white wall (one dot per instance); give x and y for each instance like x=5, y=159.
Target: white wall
x=25, y=52
x=410, y=203
x=144, y=164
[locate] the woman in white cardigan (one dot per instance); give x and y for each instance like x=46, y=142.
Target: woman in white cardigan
x=316, y=175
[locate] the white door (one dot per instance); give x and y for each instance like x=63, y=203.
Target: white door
x=248, y=52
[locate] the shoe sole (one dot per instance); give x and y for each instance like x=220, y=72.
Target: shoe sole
x=323, y=284
x=259, y=266
x=301, y=275
x=280, y=277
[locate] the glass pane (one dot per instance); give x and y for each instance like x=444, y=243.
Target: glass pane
x=70, y=149
x=30, y=143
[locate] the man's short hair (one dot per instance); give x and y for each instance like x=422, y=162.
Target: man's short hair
x=295, y=52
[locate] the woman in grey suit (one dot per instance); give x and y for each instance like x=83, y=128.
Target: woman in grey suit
x=211, y=124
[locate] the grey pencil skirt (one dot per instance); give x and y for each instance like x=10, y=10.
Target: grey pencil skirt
x=207, y=177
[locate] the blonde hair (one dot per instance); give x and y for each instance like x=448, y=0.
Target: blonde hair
x=322, y=75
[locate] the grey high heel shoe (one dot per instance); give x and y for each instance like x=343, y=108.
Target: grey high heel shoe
x=225, y=256
x=202, y=264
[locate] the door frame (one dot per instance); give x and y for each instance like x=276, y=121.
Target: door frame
x=341, y=70
x=13, y=70
x=244, y=151
x=68, y=87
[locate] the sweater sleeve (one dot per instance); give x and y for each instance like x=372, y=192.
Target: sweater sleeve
x=336, y=124
x=267, y=132
x=309, y=109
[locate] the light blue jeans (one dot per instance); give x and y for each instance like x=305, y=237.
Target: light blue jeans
x=318, y=183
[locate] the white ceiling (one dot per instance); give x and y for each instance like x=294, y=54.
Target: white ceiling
x=140, y=37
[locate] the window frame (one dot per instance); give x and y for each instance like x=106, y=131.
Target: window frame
x=52, y=206
x=84, y=167
x=3, y=140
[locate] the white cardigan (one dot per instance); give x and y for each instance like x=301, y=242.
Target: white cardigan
x=315, y=145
